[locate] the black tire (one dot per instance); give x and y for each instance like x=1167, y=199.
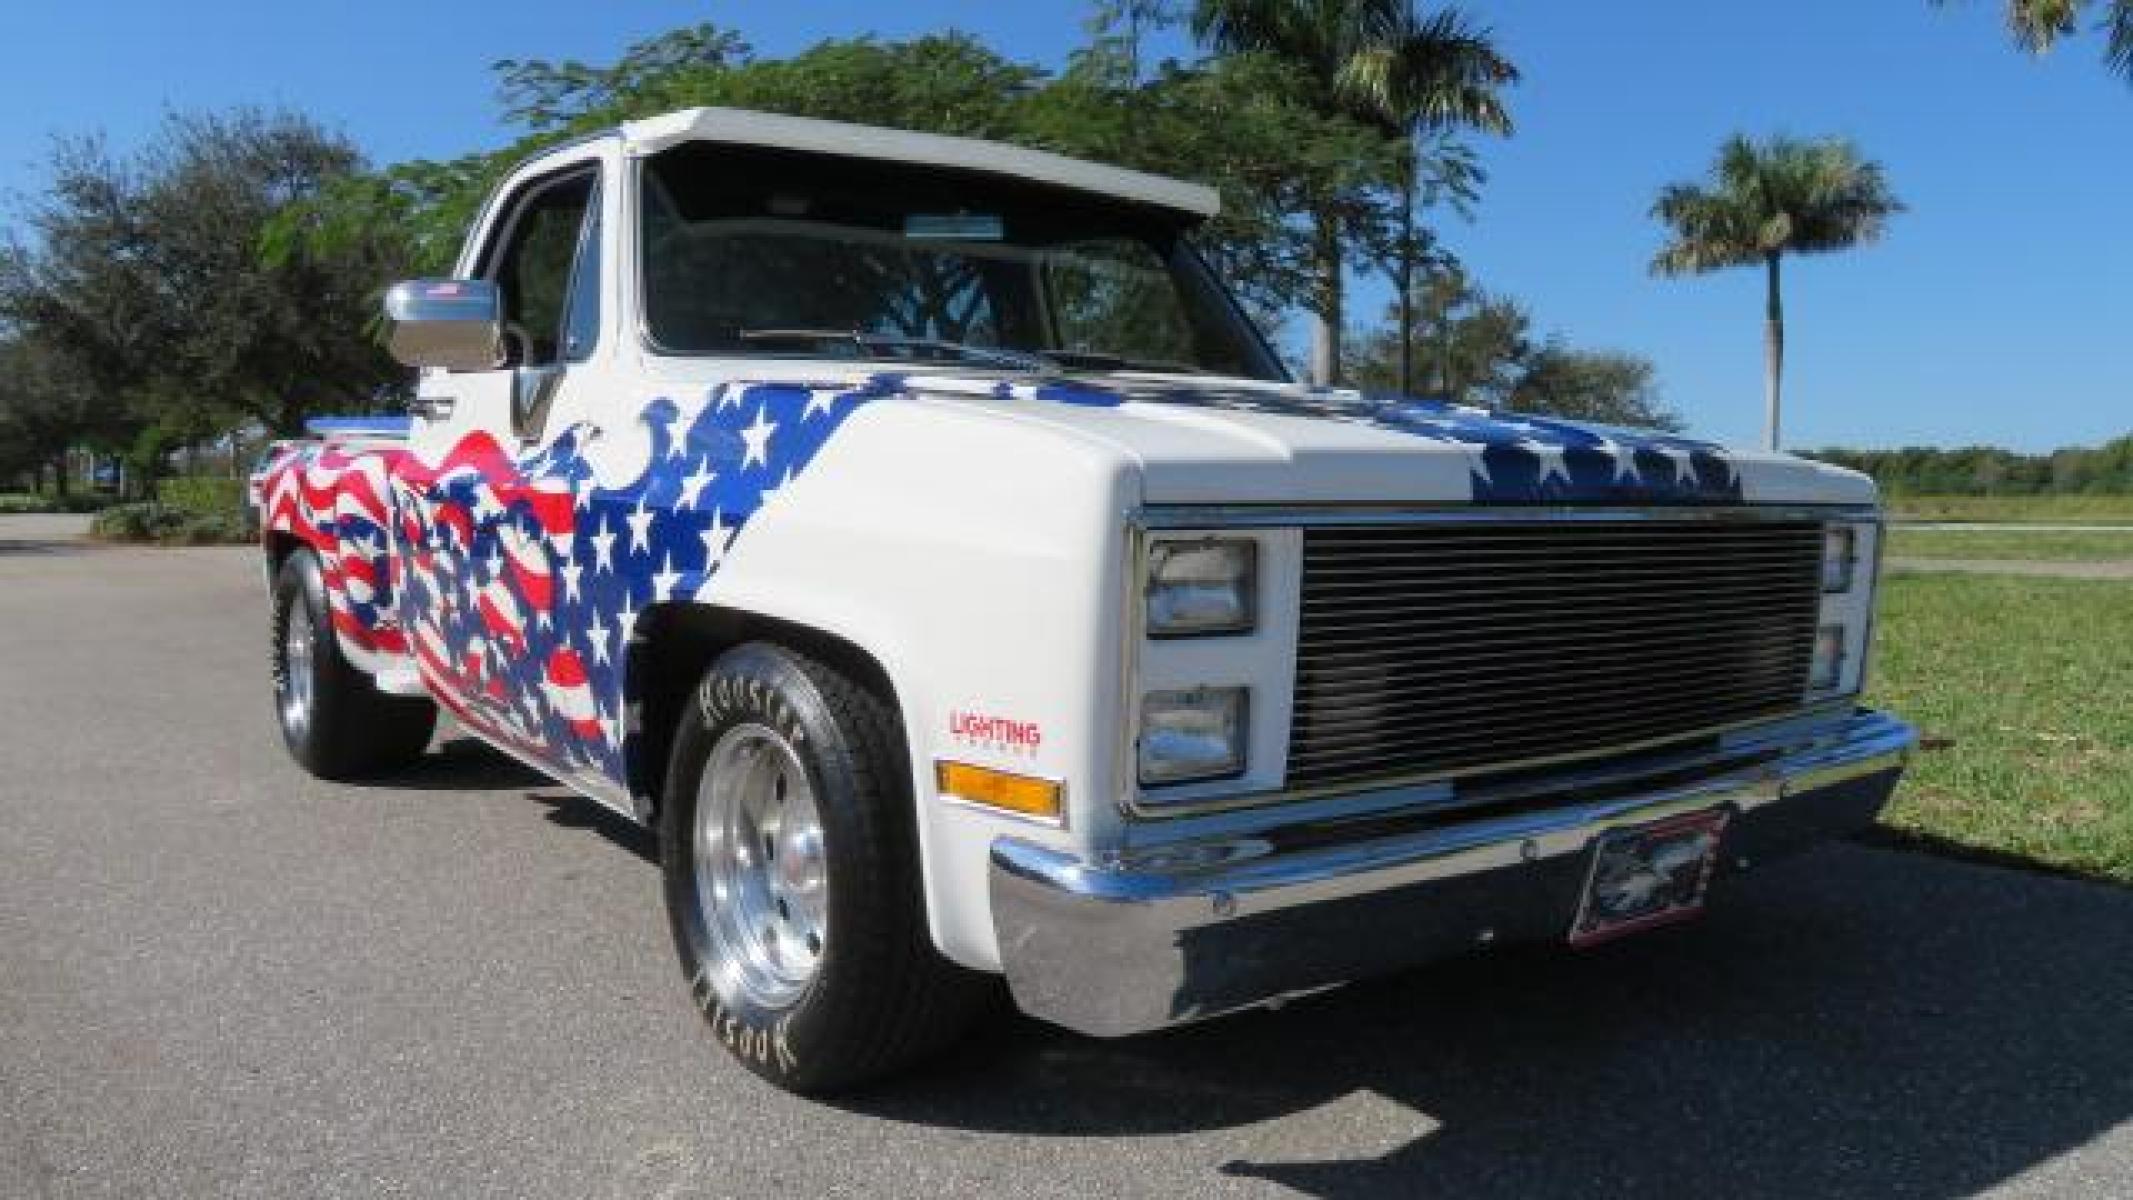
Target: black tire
x=349, y=729
x=880, y=997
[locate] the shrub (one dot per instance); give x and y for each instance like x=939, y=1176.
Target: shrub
x=168, y=525
x=129, y=523
x=203, y=495
x=213, y=529
x=41, y=502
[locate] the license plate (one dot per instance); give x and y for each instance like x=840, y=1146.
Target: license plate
x=1648, y=875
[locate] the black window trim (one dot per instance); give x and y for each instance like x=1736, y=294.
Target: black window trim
x=515, y=205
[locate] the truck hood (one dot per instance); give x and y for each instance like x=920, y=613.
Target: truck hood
x=1232, y=442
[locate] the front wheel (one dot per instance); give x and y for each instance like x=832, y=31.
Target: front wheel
x=791, y=866
x=335, y=722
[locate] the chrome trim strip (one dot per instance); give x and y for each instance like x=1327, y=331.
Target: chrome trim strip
x=1108, y=948
x=1254, y=516
x=1361, y=789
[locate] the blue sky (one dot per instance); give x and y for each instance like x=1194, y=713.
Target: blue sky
x=1999, y=310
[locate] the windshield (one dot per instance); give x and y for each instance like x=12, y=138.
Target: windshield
x=749, y=251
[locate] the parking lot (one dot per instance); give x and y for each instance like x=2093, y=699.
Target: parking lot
x=221, y=977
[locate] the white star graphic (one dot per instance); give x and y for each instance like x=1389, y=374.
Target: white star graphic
x=603, y=547
x=585, y=493
x=715, y=539
x=1477, y=461
x=626, y=621
x=570, y=571
x=724, y=397
x=1550, y=458
x=597, y=634
x=1625, y=459
x=664, y=579
x=640, y=523
x=692, y=488
x=757, y=439
x=1684, y=464
x=495, y=563
x=819, y=400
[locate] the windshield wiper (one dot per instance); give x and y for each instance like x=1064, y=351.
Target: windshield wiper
x=895, y=346
x=1104, y=360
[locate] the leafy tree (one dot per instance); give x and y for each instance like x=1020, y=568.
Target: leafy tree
x=146, y=278
x=45, y=411
x=1381, y=62
x=2038, y=25
x=541, y=95
x=1607, y=386
x=1473, y=347
x=1765, y=200
x=1234, y=123
x=1464, y=343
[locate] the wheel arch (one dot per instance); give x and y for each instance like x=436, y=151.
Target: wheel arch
x=278, y=545
x=674, y=644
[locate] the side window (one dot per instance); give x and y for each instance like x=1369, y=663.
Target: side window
x=534, y=273
x=581, y=317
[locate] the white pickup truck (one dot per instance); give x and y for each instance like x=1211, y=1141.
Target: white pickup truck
x=915, y=534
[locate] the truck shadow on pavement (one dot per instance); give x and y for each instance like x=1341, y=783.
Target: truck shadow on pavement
x=462, y=764
x=1853, y=1022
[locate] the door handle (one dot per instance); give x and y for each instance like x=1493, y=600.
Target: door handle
x=433, y=408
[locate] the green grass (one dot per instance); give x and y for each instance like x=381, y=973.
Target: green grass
x=2047, y=509
x=2020, y=687
x=2063, y=546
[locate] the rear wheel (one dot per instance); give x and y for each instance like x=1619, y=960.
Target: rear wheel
x=333, y=719
x=791, y=864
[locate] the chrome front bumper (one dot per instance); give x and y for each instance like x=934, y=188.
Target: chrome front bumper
x=1227, y=923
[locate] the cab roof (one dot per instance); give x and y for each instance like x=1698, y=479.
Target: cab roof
x=743, y=127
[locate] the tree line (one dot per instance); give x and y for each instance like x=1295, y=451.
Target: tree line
x=1993, y=471
x=227, y=275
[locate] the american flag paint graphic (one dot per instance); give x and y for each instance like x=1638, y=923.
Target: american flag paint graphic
x=515, y=579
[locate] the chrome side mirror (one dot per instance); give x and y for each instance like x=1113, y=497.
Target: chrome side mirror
x=456, y=324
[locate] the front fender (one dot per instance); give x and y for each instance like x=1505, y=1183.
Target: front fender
x=980, y=561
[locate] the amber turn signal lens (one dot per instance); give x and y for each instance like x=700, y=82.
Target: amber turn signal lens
x=999, y=789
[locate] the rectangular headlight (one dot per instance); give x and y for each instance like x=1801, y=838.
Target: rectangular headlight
x=1192, y=735
x=1202, y=587
x=1840, y=557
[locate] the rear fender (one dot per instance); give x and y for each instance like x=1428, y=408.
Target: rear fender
x=336, y=500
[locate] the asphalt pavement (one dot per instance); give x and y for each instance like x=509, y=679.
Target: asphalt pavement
x=219, y=977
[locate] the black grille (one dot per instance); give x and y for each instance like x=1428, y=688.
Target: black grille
x=1441, y=648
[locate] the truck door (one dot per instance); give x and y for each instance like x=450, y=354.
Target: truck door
x=486, y=500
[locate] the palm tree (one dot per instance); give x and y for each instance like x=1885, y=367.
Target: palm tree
x=1766, y=200
x=1383, y=63
x=2038, y=25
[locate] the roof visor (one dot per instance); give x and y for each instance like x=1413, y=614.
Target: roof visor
x=742, y=127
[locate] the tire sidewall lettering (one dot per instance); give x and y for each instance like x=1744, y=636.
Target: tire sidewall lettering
x=765, y=1039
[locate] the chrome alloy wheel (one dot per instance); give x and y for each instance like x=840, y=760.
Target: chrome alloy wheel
x=761, y=874
x=299, y=677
